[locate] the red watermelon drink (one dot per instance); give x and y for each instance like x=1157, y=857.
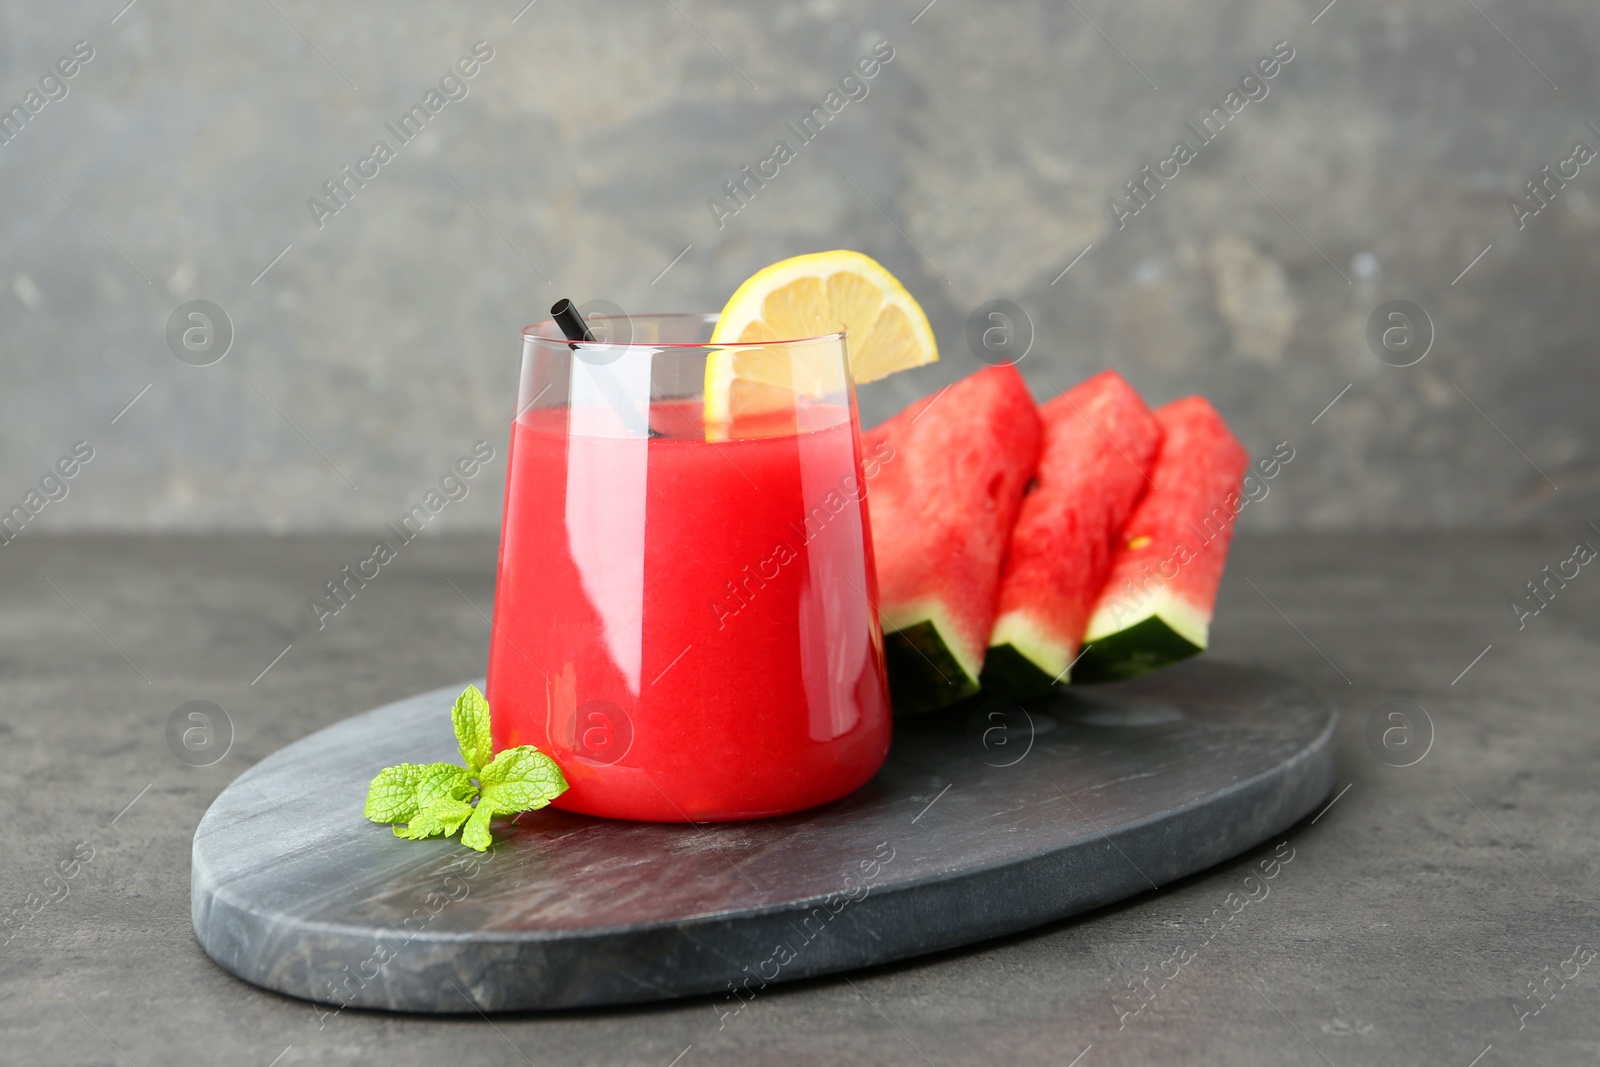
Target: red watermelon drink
x=1100, y=443
x=685, y=617
x=1155, y=608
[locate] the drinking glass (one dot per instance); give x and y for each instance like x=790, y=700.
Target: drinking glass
x=685, y=613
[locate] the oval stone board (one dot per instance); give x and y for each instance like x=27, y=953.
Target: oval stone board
x=987, y=819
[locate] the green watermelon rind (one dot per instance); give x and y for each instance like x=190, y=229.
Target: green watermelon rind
x=1008, y=674
x=1157, y=634
x=1022, y=661
x=924, y=671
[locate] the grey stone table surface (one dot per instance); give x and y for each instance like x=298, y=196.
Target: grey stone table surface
x=1421, y=911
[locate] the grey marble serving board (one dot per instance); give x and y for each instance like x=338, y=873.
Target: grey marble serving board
x=985, y=820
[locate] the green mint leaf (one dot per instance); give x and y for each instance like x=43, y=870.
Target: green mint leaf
x=443, y=816
x=471, y=719
x=444, y=780
x=392, y=795
x=476, y=835
x=520, y=779
x=434, y=799
x=397, y=794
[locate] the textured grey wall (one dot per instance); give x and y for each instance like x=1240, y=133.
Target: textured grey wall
x=382, y=343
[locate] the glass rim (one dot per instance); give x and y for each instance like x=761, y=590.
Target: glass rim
x=532, y=333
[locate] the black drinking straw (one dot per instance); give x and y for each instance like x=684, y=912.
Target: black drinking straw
x=571, y=323
x=577, y=331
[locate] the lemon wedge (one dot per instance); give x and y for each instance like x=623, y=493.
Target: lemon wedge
x=810, y=296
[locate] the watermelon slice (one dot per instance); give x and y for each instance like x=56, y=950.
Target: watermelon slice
x=1099, y=443
x=1156, y=606
x=942, y=505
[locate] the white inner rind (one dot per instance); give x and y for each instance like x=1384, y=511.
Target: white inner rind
x=933, y=612
x=1180, y=616
x=1016, y=629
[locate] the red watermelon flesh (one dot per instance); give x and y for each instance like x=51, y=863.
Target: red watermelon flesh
x=1100, y=443
x=1156, y=604
x=951, y=472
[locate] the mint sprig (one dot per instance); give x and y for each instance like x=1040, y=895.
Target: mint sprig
x=434, y=799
